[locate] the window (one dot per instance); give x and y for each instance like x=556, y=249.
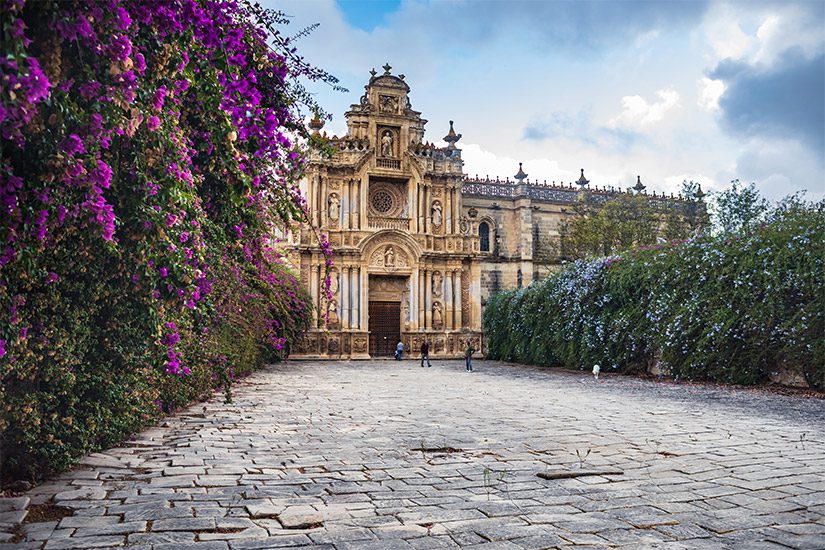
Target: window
x=484, y=236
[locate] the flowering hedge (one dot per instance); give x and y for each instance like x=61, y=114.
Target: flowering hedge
x=148, y=162
x=725, y=308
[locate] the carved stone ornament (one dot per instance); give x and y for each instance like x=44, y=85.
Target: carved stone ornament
x=389, y=257
x=472, y=212
x=464, y=225
x=332, y=345
x=359, y=345
x=388, y=104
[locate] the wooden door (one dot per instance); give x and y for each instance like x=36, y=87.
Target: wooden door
x=385, y=328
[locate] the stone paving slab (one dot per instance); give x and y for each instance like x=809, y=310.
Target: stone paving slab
x=383, y=455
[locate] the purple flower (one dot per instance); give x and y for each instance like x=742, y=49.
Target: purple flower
x=123, y=19
x=140, y=63
x=152, y=123
x=160, y=97
x=101, y=175
x=184, y=237
x=163, y=272
x=52, y=277
x=2, y=348
x=73, y=145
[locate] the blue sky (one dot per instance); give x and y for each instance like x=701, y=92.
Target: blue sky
x=708, y=91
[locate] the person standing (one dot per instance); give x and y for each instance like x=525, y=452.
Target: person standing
x=468, y=355
x=399, y=350
x=425, y=353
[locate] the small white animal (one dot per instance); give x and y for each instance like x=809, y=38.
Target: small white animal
x=596, y=369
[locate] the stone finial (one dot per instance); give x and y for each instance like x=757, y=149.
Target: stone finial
x=699, y=194
x=638, y=187
x=373, y=72
x=386, y=68
x=520, y=176
x=582, y=181
x=316, y=123
x=451, y=137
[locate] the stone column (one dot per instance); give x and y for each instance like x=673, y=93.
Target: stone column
x=459, y=323
x=448, y=210
x=313, y=292
x=344, y=223
x=456, y=208
x=356, y=204
x=364, y=297
x=345, y=271
x=428, y=299
x=362, y=205
x=356, y=298
x=448, y=300
x=421, y=304
x=414, y=300
x=322, y=199
x=426, y=208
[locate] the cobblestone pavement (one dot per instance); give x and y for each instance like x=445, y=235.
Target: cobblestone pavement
x=386, y=455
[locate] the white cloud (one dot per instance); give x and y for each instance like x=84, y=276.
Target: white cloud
x=483, y=163
x=778, y=28
x=638, y=113
x=724, y=34
x=710, y=91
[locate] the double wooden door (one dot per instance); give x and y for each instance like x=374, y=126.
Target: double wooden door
x=385, y=328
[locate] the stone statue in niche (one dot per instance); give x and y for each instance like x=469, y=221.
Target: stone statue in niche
x=437, y=284
x=386, y=144
x=389, y=257
x=436, y=214
x=332, y=314
x=334, y=203
x=333, y=283
x=438, y=317
x=405, y=313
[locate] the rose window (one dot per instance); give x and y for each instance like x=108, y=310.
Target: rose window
x=382, y=202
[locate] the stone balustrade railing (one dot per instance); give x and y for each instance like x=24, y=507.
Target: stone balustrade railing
x=380, y=222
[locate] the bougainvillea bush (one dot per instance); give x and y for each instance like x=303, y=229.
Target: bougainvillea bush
x=730, y=308
x=149, y=159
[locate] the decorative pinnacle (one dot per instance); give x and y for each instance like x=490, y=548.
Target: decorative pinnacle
x=582, y=181
x=521, y=175
x=316, y=123
x=699, y=194
x=451, y=136
x=373, y=72
x=639, y=187
x=386, y=68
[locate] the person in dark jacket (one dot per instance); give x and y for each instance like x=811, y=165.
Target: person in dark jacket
x=425, y=353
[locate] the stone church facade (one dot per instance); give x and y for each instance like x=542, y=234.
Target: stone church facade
x=418, y=245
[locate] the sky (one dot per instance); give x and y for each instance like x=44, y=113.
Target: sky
x=669, y=91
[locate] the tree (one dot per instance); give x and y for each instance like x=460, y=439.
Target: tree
x=623, y=222
x=738, y=209
x=690, y=216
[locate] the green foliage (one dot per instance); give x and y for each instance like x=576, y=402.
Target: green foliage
x=739, y=208
x=631, y=220
x=726, y=308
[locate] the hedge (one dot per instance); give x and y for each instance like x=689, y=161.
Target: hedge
x=724, y=308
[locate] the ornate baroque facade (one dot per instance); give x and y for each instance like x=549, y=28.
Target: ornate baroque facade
x=418, y=245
